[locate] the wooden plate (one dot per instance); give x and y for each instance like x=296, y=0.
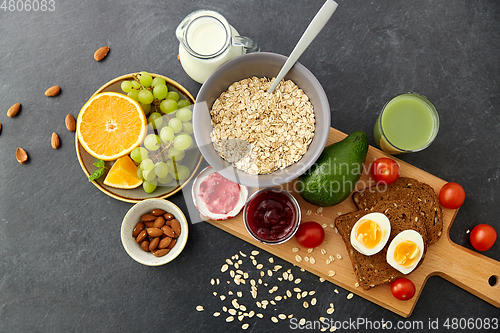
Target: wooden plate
x=192, y=159
x=463, y=267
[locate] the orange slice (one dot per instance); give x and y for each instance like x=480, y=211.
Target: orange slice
x=123, y=174
x=110, y=125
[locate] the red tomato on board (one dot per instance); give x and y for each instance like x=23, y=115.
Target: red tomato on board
x=482, y=237
x=385, y=170
x=403, y=289
x=452, y=195
x=310, y=235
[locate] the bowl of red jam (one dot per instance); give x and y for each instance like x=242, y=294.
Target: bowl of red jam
x=272, y=216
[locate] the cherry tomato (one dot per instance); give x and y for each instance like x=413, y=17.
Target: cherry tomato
x=452, y=195
x=385, y=170
x=310, y=235
x=482, y=237
x=403, y=289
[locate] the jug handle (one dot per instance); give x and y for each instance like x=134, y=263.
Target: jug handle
x=249, y=45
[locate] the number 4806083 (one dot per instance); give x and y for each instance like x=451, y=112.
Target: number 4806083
x=28, y=5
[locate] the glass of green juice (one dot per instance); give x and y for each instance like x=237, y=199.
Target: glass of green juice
x=408, y=123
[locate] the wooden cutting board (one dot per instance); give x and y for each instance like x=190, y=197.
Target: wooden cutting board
x=461, y=266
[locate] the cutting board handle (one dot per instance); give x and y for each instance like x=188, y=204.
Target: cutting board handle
x=468, y=269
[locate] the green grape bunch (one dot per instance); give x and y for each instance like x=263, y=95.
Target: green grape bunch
x=159, y=158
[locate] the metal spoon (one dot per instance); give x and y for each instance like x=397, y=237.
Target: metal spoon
x=311, y=32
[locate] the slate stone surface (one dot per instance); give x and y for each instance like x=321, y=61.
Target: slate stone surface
x=62, y=265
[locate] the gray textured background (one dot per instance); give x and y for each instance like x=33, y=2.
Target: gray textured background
x=62, y=265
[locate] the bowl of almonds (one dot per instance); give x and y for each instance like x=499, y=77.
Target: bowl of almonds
x=154, y=232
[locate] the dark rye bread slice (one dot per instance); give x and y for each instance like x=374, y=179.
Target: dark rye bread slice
x=420, y=195
x=374, y=270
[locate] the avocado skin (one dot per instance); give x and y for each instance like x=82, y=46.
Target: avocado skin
x=334, y=175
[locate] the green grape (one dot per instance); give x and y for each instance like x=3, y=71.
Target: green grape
x=156, y=120
x=149, y=175
x=168, y=106
x=176, y=155
x=146, y=164
x=157, y=80
x=182, y=173
x=175, y=124
x=145, y=96
x=166, y=180
x=126, y=86
x=187, y=127
x=139, y=154
x=173, y=95
x=146, y=79
x=139, y=173
x=184, y=114
x=183, y=103
x=149, y=187
x=136, y=85
x=183, y=142
x=152, y=142
x=145, y=107
x=161, y=170
x=166, y=134
x=134, y=94
x=160, y=91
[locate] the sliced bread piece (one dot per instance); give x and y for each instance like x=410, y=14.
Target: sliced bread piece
x=374, y=270
x=420, y=195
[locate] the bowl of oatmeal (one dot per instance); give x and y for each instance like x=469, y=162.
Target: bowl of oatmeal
x=258, y=139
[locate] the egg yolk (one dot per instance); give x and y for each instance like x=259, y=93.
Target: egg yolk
x=368, y=233
x=406, y=253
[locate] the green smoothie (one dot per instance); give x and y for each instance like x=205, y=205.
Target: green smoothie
x=409, y=122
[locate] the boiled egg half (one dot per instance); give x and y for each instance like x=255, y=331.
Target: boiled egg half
x=370, y=233
x=405, y=251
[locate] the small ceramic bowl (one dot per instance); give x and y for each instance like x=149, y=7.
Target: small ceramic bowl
x=202, y=207
x=277, y=194
x=133, y=217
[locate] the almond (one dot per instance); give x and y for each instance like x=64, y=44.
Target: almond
x=154, y=232
x=164, y=243
x=101, y=53
x=168, y=231
x=14, y=109
x=159, y=222
x=154, y=243
x=176, y=227
x=53, y=91
x=55, y=142
x=21, y=155
x=161, y=253
x=70, y=123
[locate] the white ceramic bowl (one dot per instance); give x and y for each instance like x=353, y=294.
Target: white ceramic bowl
x=262, y=64
x=131, y=219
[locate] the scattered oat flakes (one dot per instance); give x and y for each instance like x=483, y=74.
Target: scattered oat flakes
x=289, y=293
x=278, y=298
x=312, y=260
x=332, y=226
x=245, y=326
x=306, y=258
x=224, y=308
x=274, y=319
x=333, y=328
x=260, y=315
x=259, y=266
x=313, y=301
x=330, y=311
x=272, y=302
x=304, y=293
x=336, y=291
x=290, y=316
x=251, y=314
x=297, y=290
x=321, y=279
x=323, y=251
x=212, y=282
x=297, y=281
x=242, y=254
x=232, y=312
x=310, y=250
x=295, y=249
x=229, y=262
x=222, y=297
x=224, y=268
x=239, y=293
x=199, y=308
x=308, y=212
x=312, y=292
x=255, y=252
x=339, y=257
x=216, y=314
x=325, y=225
x=217, y=281
x=215, y=293
x=331, y=273
x=332, y=258
x=350, y=295
x=298, y=258
x=271, y=260
x=302, y=321
x=328, y=261
x=305, y=304
x=356, y=285
x=229, y=319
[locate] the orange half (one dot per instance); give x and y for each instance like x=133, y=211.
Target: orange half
x=123, y=174
x=110, y=125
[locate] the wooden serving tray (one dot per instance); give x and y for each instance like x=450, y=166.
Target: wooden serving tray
x=461, y=266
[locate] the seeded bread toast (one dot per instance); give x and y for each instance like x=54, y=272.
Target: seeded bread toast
x=419, y=195
x=374, y=270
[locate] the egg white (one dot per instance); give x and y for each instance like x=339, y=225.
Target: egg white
x=410, y=235
x=385, y=228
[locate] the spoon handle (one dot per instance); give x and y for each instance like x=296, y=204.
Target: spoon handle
x=311, y=32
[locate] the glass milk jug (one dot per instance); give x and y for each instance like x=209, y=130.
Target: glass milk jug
x=207, y=41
